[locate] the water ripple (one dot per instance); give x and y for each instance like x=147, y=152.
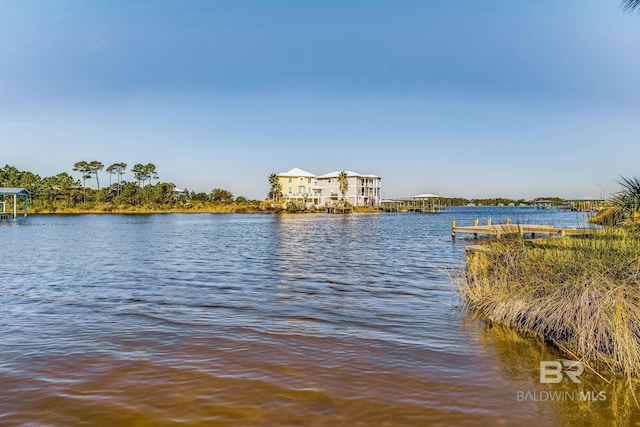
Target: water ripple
x=241, y=320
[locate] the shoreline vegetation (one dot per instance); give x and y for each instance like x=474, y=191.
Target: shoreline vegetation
x=228, y=208
x=146, y=194
x=581, y=294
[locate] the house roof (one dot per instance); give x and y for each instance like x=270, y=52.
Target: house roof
x=335, y=174
x=297, y=172
x=11, y=191
x=426, y=196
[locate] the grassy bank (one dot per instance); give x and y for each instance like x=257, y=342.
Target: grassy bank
x=150, y=209
x=580, y=293
x=198, y=208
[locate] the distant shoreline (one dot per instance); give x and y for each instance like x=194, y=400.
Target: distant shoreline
x=222, y=209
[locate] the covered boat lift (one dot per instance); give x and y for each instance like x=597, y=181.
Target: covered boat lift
x=425, y=203
x=428, y=203
x=13, y=192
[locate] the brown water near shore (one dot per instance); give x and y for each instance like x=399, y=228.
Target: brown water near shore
x=274, y=379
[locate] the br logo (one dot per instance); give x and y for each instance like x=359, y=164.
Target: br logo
x=553, y=371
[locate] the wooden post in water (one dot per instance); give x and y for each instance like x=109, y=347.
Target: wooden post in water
x=508, y=221
x=453, y=230
x=475, y=222
x=488, y=221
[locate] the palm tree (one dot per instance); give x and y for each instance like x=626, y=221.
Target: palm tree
x=625, y=205
x=628, y=199
x=343, y=182
x=276, y=187
x=630, y=4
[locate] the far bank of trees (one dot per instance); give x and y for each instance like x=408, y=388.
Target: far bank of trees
x=146, y=190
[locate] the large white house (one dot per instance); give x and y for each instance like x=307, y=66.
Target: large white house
x=363, y=190
x=298, y=185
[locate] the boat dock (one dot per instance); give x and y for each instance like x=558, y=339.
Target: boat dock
x=424, y=203
x=13, y=193
x=499, y=230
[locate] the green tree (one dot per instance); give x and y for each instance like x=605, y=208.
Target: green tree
x=343, y=183
x=144, y=173
x=138, y=173
x=31, y=182
x=94, y=167
x=66, y=186
x=221, y=195
x=150, y=172
x=10, y=176
x=117, y=169
x=198, y=197
x=84, y=168
x=129, y=193
x=164, y=193
x=50, y=189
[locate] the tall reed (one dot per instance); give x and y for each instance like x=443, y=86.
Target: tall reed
x=580, y=293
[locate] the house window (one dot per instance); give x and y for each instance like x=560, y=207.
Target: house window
x=290, y=181
x=308, y=180
x=290, y=189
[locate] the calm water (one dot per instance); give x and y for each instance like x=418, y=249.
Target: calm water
x=263, y=320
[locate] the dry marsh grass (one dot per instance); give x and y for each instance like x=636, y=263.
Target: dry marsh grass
x=151, y=209
x=580, y=293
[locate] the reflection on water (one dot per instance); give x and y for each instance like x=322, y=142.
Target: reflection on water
x=253, y=320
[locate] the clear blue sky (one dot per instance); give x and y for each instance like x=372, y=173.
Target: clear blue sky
x=461, y=98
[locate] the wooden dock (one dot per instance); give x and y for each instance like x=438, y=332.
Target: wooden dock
x=499, y=230
x=339, y=209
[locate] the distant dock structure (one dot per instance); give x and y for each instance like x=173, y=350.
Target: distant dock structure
x=499, y=230
x=424, y=203
x=13, y=193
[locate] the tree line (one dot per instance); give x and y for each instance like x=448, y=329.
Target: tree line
x=63, y=191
